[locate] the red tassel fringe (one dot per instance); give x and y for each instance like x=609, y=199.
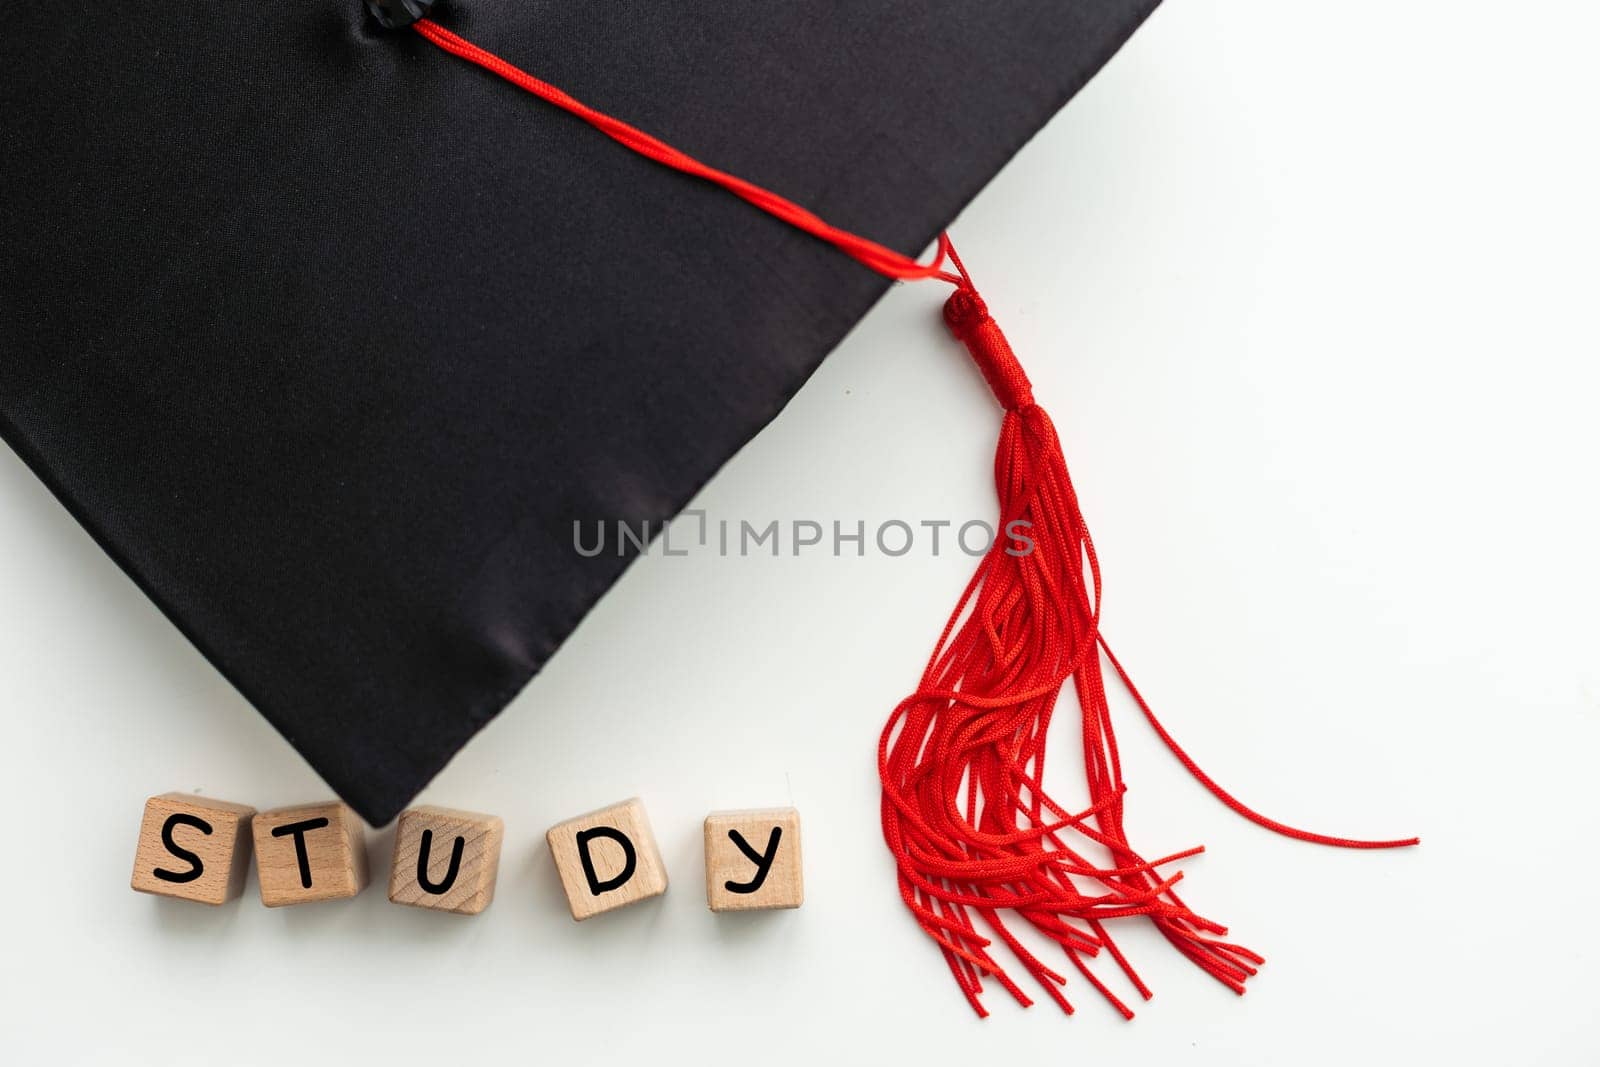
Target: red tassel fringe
x=964, y=811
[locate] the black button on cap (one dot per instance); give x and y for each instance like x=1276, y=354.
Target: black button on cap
x=398, y=14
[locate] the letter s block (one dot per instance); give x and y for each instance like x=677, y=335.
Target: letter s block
x=193, y=848
x=753, y=860
x=607, y=859
x=445, y=859
x=312, y=852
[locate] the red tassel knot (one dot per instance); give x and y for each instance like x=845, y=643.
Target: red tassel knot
x=968, y=318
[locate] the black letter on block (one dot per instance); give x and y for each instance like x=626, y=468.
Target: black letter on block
x=596, y=886
x=438, y=888
x=299, y=830
x=196, y=868
x=763, y=862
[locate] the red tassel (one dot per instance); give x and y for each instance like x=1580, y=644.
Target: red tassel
x=962, y=758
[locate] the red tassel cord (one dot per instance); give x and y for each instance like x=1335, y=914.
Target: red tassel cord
x=961, y=759
x=870, y=254
x=975, y=836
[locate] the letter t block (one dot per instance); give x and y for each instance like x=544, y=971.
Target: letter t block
x=313, y=852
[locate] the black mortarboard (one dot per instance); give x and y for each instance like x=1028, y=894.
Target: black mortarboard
x=329, y=337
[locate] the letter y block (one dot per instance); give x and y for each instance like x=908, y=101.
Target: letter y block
x=753, y=860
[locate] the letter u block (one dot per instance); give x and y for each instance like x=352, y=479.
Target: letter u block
x=607, y=859
x=193, y=848
x=308, y=853
x=445, y=859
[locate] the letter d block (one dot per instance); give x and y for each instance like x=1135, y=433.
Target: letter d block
x=607, y=859
x=753, y=860
x=193, y=848
x=312, y=852
x=445, y=859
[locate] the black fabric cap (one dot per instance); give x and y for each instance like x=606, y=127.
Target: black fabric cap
x=328, y=337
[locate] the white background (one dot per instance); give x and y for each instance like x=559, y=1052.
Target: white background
x=1311, y=292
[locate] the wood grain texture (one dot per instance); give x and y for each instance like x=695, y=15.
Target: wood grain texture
x=783, y=885
x=470, y=888
x=214, y=871
x=607, y=857
x=335, y=855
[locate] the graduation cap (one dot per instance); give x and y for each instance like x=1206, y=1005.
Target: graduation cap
x=327, y=319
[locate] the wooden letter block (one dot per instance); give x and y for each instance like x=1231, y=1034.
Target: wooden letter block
x=312, y=852
x=446, y=859
x=607, y=859
x=753, y=860
x=193, y=848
